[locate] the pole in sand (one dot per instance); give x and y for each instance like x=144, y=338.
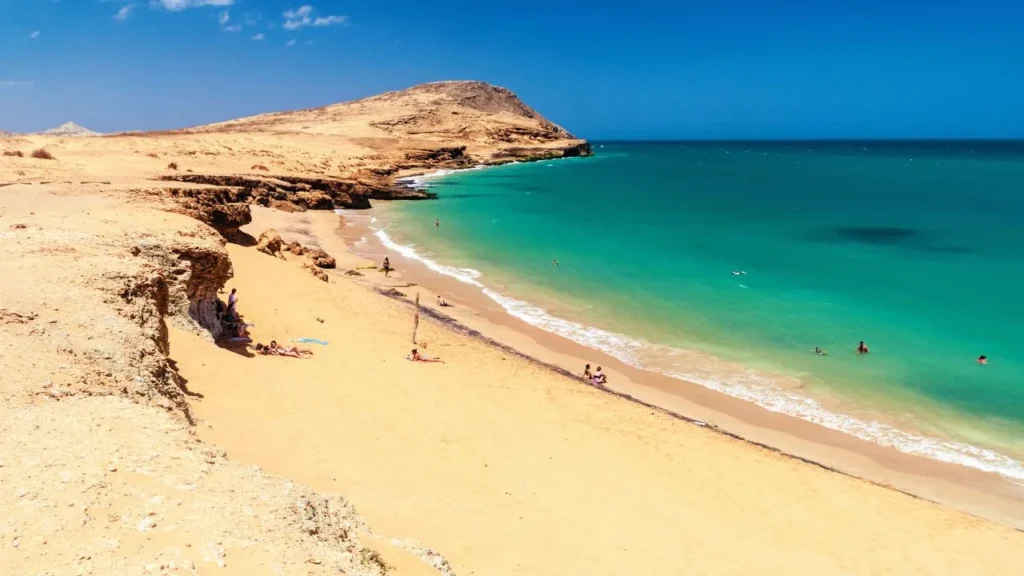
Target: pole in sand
x=416, y=318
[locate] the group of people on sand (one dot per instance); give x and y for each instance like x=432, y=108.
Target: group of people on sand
x=273, y=349
x=597, y=377
x=231, y=323
x=234, y=329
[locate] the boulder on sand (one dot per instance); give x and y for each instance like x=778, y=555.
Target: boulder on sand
x=270, y=243
x=320, y=258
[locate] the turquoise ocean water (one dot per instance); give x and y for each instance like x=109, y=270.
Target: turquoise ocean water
x=916, y=248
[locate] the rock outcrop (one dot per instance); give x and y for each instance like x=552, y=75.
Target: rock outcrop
x=314, y=260
x=101, y=468
x=270, y=243
x=305, y=193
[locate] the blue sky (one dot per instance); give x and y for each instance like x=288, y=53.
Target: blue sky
x=602, y=69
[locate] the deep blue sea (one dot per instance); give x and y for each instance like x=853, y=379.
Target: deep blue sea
x=916, y=248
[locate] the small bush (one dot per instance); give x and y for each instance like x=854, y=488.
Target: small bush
x=42, y=154
x=17, y=153
x=172, y=166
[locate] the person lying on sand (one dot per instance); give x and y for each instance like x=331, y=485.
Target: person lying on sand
x=598, y=377
x=274, y=350
x=415, y=356
x=441, y=302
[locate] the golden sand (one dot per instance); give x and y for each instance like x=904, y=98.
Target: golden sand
x=509, y=468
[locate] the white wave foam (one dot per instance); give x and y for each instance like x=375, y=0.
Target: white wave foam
x=426, y=180
x=750, y=387
x=466, y=275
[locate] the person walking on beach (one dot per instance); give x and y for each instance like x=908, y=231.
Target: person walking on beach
x=387, y=266
x=862, y=348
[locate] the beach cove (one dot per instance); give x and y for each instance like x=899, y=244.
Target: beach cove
x=647, y=234
x=140, y=437
x=510, y=467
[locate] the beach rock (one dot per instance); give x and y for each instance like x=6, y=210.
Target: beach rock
x=296, y=248
x=269, y=243
x=353, y=273
x=320, y=258
x=286, y=206
x=315, y=270
x=314, y=200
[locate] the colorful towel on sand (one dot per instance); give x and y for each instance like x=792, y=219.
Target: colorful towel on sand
x=310, y=341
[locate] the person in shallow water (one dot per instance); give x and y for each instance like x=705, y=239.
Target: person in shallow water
x=862, y=348
x=819, y=351
x=982, y=360
x=437, y=223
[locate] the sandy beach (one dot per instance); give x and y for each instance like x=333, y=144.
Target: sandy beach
x=135, y=440
x=511, y=467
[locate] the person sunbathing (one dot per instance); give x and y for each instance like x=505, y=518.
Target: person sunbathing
x=415, y=356
x=273, y=349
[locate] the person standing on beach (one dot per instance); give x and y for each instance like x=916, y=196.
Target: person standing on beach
x=387, y=266
x=232, y=299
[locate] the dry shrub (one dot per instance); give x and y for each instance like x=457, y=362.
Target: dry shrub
x=260, y=167
x=17, y=153
x=172, y=166
x=42, y=154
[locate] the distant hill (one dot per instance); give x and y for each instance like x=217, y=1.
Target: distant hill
x=69, y=129
x=462, y=111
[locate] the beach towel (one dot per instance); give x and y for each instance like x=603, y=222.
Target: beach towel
x=310, y=341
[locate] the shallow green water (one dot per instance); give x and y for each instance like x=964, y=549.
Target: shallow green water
x=915, y=248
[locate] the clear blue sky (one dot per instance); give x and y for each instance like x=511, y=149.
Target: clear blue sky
x=602, y=69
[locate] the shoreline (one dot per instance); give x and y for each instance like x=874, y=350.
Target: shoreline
x=350, y=239
x=776, y=391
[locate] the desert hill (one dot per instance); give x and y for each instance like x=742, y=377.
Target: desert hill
x=69, y=129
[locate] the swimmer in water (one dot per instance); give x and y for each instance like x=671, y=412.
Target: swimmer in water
x=437, y=223
x=554, y=263
x=819, y=351
x=862, y=348
x=982, y=360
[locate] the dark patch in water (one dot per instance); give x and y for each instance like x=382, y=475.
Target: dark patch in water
x=906, y=238
x=877, y=235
